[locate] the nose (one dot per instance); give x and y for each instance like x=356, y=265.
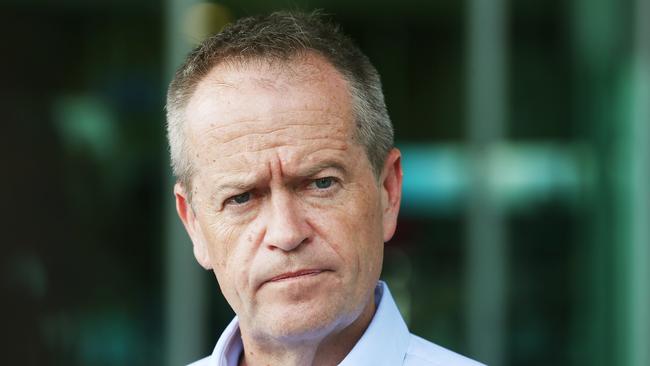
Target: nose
x=287, y=227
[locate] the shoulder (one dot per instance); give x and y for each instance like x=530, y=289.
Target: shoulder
x=424, y=353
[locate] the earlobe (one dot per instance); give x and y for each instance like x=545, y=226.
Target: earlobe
x=391, y=186
x=192, y=226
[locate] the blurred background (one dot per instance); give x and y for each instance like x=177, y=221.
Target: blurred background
x=524, y=237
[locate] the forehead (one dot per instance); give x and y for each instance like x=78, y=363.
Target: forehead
x=228, y=93
x=243, y=112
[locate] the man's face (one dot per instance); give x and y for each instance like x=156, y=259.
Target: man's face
x=285, y=207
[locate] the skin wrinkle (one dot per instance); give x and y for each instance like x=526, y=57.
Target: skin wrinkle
x=241, y=124
x=288, y=224
x=244, y=161
x=255, y=136
x=312, y=72
x=218, y=179
x=252, y=145
x=248, y=183
x=249, y=151
x=243, y=173
x=267, y=133
x=240, y=131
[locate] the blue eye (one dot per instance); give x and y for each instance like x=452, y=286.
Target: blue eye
x=241, y=198
x=324, y=183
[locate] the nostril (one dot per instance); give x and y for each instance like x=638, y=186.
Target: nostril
x=288, y=244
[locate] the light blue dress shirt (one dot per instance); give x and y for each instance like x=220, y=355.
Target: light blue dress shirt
x=386, y=342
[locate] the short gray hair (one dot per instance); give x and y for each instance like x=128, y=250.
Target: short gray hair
x=282, y=36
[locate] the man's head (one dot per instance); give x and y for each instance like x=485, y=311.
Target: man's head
x=288, y=158
x=278, y=38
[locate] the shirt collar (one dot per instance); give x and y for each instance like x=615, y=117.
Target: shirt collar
x=386, y=339
x=384, y=342
x=229, y=346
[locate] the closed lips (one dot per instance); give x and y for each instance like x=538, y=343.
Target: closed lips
x=288, y=275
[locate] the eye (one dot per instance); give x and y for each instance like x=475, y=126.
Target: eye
x=240, y=199
x=324, y=183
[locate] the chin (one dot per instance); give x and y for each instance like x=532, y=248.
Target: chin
x=300, y=323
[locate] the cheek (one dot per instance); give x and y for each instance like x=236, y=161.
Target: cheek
x=353, y=228
x=231, y=252
x=222, y=241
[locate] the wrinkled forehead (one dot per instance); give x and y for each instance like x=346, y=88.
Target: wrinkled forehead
x=239, y=91
x=261, y=105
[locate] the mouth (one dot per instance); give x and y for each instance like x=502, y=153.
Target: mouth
x=296, y=275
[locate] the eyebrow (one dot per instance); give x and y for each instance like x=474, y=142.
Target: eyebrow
x=327, y=164
x=244, y=184
x=237, y=184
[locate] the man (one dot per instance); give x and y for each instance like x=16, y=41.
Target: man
x=289, y=186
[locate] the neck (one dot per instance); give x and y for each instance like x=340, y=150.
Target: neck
x=329, y=349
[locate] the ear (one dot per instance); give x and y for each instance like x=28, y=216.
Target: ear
x=391, y=191
x=193, y=226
